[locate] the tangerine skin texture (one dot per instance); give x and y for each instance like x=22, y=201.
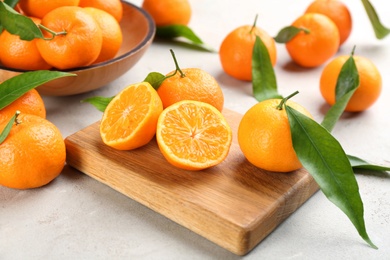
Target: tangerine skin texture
x=32, y=155
x=316, y=47
x=264, y=137
x=365, y=95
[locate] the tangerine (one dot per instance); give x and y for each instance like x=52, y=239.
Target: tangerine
x=264, y=136
x=111, y=31
x=113, y=7
x=191, y=84
x=367, y=92
x=78, y=43
x=130, y=119
x=236, y=50
x=32, y=155
x=168, y=12
x=338, y=12
x=20, y=54
x=29, y=103
x=39, y=8
x=193, y=135
x=317, y=43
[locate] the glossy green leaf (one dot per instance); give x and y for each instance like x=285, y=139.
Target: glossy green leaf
x=324, y=158
x=347, y=83
x=155, y=79
x=177, y=31
x=264, y=83
x=99, y=102
x=11, y=3
x=379, y=29
x=18, y=24
x=287, y=33
x=358, y=163
x=4, y=133
x=15, y=87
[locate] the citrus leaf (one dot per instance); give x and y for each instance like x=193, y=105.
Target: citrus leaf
x=347, y=83
x=287, y=33
x=379, y=29
x=176, y=31
x=358, y=163
x=16, y=23
x=15, y=87
x=324, y=158
x=155, y=79
x=99, y=102
x=263, y=76
x=11, y=3
x=4, y=133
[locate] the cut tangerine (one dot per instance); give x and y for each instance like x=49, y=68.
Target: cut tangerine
x=193, y=135
x=130, y=119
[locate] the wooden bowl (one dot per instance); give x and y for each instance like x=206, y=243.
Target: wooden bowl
x=138, y=30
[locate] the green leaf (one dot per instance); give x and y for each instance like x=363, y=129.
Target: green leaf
x=324, y=158
x=358, y=163
x=155, y=79
x=11, y=3
x=99, y=102
x=15, y=87
x=380, y=30
x=4, y=133
x=287, y=33
x=177, y=31
x=16, y=23
x=347, y=83
x=263, y=76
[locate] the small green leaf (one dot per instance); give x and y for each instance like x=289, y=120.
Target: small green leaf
x=99, y=102
x=155, y=79
x=347, y=83
x=324, y=158
x=177, y=31
x=15, y=87
x=287, y=33
x=358, y=163
x=4, y=133
x=380, y=30
x=16, y=23
x=263, y=76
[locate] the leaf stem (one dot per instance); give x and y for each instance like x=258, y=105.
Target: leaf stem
x=284, y=100
x=177, y=66
x=53, y=33
x=254, y=24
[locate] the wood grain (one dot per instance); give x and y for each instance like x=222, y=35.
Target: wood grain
x=233, y=204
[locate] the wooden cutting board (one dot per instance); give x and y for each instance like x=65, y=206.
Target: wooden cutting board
x=233, y=204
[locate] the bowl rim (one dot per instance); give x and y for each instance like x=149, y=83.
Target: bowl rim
x=149, y=37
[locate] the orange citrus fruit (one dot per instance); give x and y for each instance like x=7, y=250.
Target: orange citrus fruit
x=113, y=7
x=264, y=136
x=81, y=43
x=19, y=54
x=39, y=8
x=191, y=84
x=193, y=135
x=168, y=12
x=318, y=44
x=32, y=155
x=338, y=12
x=29, y=103
x=111, y=31
x=368, y=90
x=236, y=50
x=130, y=119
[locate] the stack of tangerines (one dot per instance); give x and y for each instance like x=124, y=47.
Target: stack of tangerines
x=77, y=33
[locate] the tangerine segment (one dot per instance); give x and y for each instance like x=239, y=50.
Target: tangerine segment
x=193, y=135
x=130, y=119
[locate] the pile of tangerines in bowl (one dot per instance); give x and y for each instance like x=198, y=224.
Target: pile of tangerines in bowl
x=95, y=39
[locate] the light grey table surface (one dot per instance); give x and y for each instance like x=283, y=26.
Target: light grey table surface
x=76, y=217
